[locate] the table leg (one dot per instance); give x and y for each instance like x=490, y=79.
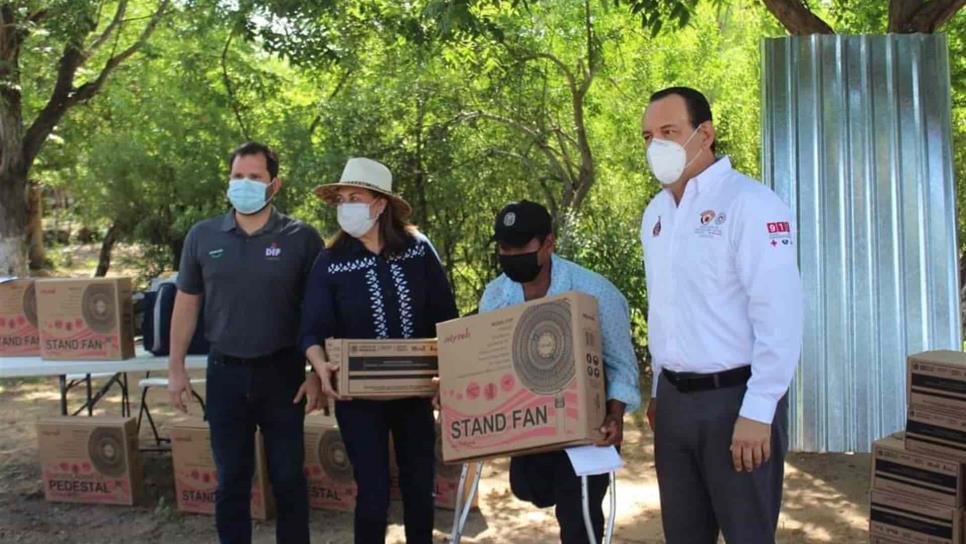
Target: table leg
x=63, y=394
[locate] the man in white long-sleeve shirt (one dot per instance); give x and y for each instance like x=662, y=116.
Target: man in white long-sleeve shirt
x=725, y=330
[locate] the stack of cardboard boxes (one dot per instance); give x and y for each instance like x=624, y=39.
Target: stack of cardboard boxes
x=67, y=318
x=918, y=477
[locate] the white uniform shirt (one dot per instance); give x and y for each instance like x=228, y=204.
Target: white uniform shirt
x=723, y=284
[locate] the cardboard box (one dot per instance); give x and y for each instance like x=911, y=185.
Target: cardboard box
x=921, y=476
x=905, y=519
x=328, y=471
x=522, y=379
x=195, y=475
x=92, y=460
x=86, y=318
x=384, y=368
x=937, y=381
x=446, y=484
x=929, y=431
x=18, y=318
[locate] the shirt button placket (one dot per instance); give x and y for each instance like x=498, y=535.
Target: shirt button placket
x=680, y=215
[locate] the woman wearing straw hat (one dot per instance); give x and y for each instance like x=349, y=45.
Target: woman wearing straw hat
x=379, y=278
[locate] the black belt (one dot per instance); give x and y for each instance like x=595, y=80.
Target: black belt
x=283, y=354
x=687, y=382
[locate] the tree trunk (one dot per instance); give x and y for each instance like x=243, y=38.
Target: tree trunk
x=932, y=15
x=900, y=11
x=13, y=224
x=107, y=248
x=13, y=172
x=35, y=226
x=176, y=246
x=795, y=16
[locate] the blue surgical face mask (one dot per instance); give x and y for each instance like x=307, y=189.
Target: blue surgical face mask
x=248, y=196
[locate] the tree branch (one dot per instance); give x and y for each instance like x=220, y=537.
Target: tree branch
x=38, y=15
x=338, y=87
x=65, y=96
x=115, y=23
x=932, y=15
x=571, y=79
x=590, y=39
x=797, y=18
x=230, y=90
x=537, y=139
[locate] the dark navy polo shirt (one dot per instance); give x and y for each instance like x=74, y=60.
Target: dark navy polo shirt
x=252, y=284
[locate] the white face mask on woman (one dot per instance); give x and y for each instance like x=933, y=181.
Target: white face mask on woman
x=668, y=159
x=354, y=218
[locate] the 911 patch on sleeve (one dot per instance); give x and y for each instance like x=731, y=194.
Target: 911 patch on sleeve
x=779, y=227
x=780, y=233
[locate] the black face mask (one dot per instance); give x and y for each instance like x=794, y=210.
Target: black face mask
x=522, y=268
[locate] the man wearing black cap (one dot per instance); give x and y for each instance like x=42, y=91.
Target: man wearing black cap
x=525, y=244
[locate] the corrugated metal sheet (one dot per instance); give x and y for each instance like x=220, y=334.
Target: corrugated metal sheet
x=857, y=139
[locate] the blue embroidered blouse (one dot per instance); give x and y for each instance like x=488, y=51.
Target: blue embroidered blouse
x=353, y=293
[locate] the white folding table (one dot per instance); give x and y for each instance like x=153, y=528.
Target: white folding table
x=21, y=367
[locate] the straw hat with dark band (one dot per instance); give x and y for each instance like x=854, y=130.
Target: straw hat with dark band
x=366, y=174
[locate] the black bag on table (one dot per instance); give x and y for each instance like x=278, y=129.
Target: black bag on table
x=156, y=326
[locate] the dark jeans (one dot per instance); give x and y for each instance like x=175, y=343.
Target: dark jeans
x=241, y=396
x=365, y=427
x=548, y=479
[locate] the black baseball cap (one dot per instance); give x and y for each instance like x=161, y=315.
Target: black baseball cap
x=521, y=221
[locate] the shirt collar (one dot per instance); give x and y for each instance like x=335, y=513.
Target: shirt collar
x=228, y=222
x=560, y=281
x=718, y=170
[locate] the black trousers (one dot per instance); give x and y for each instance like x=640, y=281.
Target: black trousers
x=366, y=426
x=701, y=493
x=548, y=479
x=241, y=396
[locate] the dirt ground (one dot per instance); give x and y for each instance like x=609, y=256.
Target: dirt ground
x=825, y=495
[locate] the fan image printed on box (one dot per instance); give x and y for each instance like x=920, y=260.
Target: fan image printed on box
x=384, y=368
x=328, y=470
x=527, y=378
x=195, y=475
x=19, y=336
x=86, y=318
x=91, y=460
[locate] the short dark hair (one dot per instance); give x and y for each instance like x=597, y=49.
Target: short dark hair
x=699, y=109
x=256, y=148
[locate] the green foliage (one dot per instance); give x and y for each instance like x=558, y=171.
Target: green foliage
x=325, y=81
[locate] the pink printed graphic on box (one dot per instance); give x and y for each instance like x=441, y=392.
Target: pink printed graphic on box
x=327, y=493
x=196, y=492
x=84, y=342
x=18, y=337
x=514, y=418
x=81, y=482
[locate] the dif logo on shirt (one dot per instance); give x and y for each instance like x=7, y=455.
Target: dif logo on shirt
x=273, y=252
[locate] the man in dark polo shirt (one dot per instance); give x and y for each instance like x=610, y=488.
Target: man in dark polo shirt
x=248, y=267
